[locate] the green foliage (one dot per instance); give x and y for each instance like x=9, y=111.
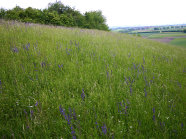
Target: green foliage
x=95, y=20
x=184, y=30
x=2, y=13
x=57, y=14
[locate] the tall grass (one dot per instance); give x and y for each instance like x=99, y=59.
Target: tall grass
x=74, y=83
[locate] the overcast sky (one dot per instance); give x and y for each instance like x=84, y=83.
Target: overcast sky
x=119, y=12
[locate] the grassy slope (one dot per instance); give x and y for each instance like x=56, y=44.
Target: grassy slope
x=133, y=87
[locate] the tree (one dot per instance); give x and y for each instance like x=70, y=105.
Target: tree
x=57, y=6
x=2, y=13
x=184, y=30
x=95, y=20
x=57, y=14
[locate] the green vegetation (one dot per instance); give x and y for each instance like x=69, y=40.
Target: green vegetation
x=58, y=82
x=162, y=35
x=179, y=42
x=57, y=14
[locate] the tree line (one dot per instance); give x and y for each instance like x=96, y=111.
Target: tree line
x=57, y=14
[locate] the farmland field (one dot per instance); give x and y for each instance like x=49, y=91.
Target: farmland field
x=177, y=39
x=58, y=82
x=162, y=35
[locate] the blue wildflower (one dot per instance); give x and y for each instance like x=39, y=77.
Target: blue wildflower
x=36, y=103
x=104, y=129
x=83, y=95
x=15, y=50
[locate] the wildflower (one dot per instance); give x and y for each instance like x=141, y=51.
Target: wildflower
x=60, y=66
x=27, y=46
x=142, y=67
x=182, y=125
x=107, y=74
x=130, y=90
x=143, y=60
x=153, y=113
x=74, y=115
x=43, y=64
x=145, y=92
x=62, y=111
x=83, y=95
x=25, y=112
x=15, y=50
x=126, y=107
x=72, y=130
x=96, y=125
x=32, y=113
x=104, y=129
x=36, y=103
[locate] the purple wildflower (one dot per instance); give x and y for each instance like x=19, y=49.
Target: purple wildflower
x=107, y=74
x=27, y=46
x=83, y=95
x=74, y=114
x=153, y=110
x=43, y=64
x=60, y=66
x=68, y=119
x=15, y=50
x=130, y=90
x=162, y=124
x=142, y=67
x=96, y=125
x=134, y=66
x=143, y=60
x=32, y=113
x=104, y=129
x=67, y=51
x=182, y=125
x=25, y=112
x=72, y=130
x=36, y=103
x=62, y=111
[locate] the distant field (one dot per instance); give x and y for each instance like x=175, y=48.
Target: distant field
x=179, y=42
x=162, y=35
x=178, y=38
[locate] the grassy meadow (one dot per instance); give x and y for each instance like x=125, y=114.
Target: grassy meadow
x=58, y=82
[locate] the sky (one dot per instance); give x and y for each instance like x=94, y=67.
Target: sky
x=119, y=12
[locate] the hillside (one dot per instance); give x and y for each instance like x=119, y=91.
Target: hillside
x=58, y=82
